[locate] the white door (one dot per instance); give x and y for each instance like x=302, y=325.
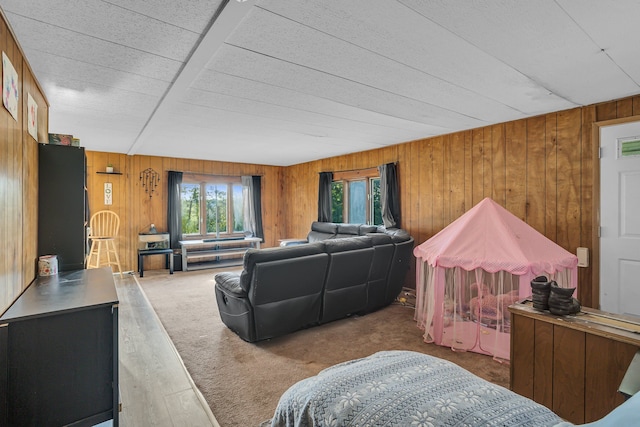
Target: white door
x=620, y=218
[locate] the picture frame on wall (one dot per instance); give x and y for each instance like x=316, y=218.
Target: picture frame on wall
x=32, y=116
x=10, y=86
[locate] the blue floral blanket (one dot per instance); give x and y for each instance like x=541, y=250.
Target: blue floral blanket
x=404, y=388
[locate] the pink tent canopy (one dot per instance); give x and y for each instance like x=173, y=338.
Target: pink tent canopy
x=468, y=274
x=490, y=237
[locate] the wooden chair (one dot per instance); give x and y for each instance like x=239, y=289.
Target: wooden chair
x=104, y=227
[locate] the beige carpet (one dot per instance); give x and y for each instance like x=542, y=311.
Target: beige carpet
x=242, y=382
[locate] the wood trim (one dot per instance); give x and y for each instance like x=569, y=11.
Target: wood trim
x=354, y=175
x=198, y=177
x=595, y=238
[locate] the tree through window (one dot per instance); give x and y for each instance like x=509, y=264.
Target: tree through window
x=355, y=197
x=211, y=205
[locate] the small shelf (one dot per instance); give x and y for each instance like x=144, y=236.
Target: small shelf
x=197, y=254
x=109, y=173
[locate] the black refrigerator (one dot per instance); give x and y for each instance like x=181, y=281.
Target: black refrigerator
x=62, y=204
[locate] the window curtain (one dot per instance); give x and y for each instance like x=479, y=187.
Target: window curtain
x=174, y=211
x=324, y=197
x=252, y=194
x=389, y=195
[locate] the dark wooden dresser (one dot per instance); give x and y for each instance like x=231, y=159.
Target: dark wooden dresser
x=59, y=352
x=571, y=364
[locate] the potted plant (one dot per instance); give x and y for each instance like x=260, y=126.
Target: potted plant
x=109, y=168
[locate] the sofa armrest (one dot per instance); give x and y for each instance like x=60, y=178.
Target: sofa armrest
x=292, y=242
x=230, y=284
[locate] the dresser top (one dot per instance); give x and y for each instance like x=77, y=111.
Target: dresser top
x=66, y=291
x=614, y=326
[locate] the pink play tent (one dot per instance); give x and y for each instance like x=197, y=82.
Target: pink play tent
x=471, y=271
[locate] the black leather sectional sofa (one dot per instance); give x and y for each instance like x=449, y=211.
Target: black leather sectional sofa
x=343, y=269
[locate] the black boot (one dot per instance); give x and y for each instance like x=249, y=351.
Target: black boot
x=540, y=289
x=561, y=302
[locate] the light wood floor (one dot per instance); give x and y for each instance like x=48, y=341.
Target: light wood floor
x=155, y=388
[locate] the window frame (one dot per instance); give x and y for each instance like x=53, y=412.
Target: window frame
x=203, y=180
x=346, y=177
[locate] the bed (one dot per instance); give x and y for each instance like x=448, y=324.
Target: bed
x=405, y=388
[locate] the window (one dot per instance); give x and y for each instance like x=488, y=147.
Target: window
x=211, y=206
x=355, y=197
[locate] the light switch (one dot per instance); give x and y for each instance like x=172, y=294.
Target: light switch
x=583, y=257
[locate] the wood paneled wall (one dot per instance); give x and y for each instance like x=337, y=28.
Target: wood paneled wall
x=541, y=169
x=137, y=210
x=19, y=178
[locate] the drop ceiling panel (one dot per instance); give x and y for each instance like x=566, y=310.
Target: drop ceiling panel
x=297, y=44
x=193, y=15
x=253, y=145
x=107, y=132
x=248, y=65
x=218, y=83
x=537, y=38
x=611, y=24
x=305, y=122
x=283, y=127
x=290, y=82
x=219, y=128
x=37, y=37
x=394, y=31
x=58, y=70
x=134, y=30
x=100, y=99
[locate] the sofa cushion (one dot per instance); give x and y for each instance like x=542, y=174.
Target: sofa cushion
x=286, y=294
x=366, y=229
x=321, y=231
x=397, y=234
x=254, y=256
x=347, y=230
x=345, y=289
x=347, y=244
x=378, y=239
x=316, y=236
x=324, y=227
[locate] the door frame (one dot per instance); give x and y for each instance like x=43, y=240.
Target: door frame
x=595, y=244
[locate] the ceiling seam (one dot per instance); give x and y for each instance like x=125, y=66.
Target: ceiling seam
x=600, y=48
x=151, y=17
x=535, y=81
x=301, y=109
x=441, y=79
x=208, y=44
x=94, y=37
x=354, y=81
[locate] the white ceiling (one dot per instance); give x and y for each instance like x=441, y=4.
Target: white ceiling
x=285, y=82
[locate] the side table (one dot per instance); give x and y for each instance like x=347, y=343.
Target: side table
x=168, y=252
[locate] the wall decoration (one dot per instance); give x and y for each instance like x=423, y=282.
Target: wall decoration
x=108, y=193
x=61, y=139
x=150, y=180
x=9, y=87
x=32, y=116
